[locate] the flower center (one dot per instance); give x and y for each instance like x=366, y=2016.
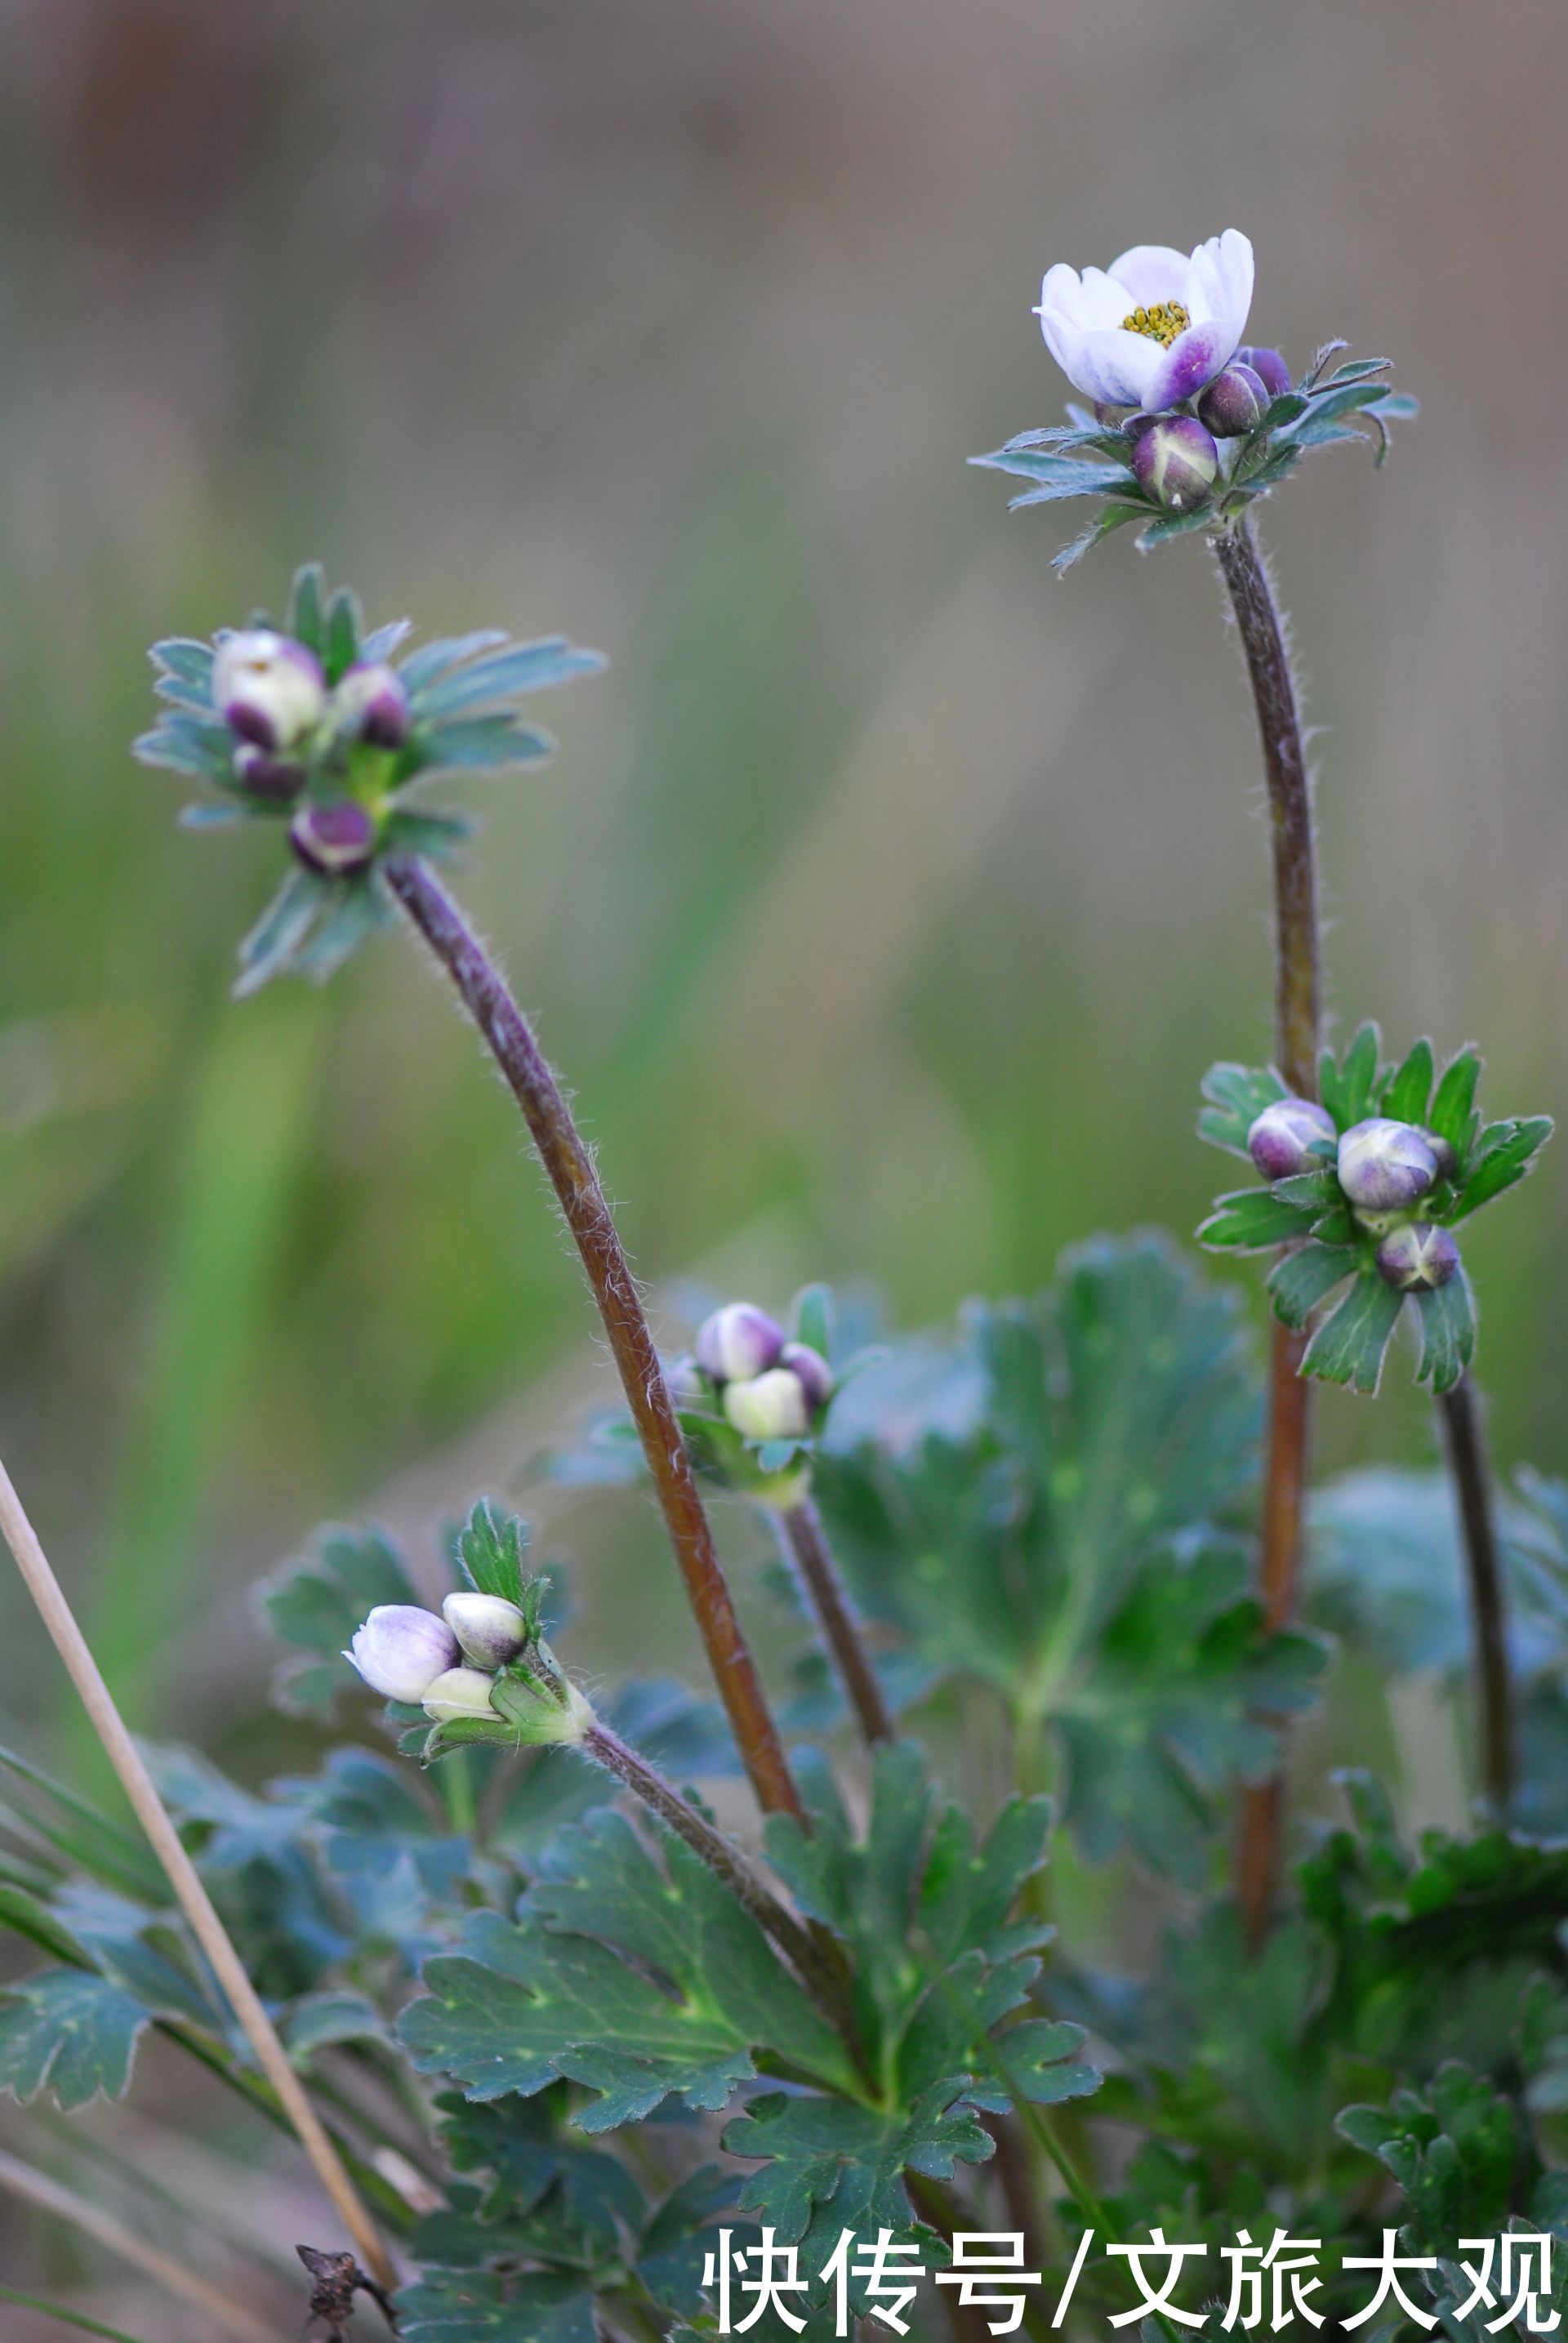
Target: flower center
x=1161, y=323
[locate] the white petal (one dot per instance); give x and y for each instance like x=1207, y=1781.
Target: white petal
x=1150, y=271
x=1104, y=301
x=1220, y=281
x=1062, y=289
x=1118, y=366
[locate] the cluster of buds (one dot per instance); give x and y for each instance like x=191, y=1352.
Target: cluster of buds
x=768, y=1387
x=480, y=1671
x=1385, y=1168
x=272, y=692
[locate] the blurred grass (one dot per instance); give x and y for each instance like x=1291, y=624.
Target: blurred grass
x=887, y=901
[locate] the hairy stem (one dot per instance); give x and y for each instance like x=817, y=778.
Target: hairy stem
x=507, y=1034
x=195, y=1903
x=806, y=1952
x=1464, y=1437
x=804, y=1542
x=1298, y=1017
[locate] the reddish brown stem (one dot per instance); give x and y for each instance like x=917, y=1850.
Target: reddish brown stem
x=1465, y=1436
x=507, y=1035
x=1298, y=1017
x=806, y=1543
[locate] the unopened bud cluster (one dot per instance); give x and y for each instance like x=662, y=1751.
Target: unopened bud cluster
x=478, y=1662
x=272, y=693
x=768, y=1387
x=1385, y=1170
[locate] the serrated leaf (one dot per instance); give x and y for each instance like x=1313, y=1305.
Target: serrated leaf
x=1081, y=480
x=1456, y=1100
x=1358, y=1073
x=1409, y=1092
x=190, y=660
x=1176, y=524
x=1284, y=409
x=559, y=1993
x=491, y=1551
x=1237, y=1096
x=344, y=626
x=520, y=668
x=306, y=618
x=474, y=744
x=819, y=2149
x=1447, y=1332
x=1349, y=1346
x=1504, y=1154
x=1299, y=1281
x=70, y=2033
x=316, y=1603
x=462, y=2306
x=1105, y=524
x=1358, y=370
x=270, y=946
x=1254, y=1220
x=358, y=908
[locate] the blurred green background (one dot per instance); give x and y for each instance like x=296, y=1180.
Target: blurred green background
x=888, y=898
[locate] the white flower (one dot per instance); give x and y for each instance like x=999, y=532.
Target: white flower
x=1155, y=328
x=458, y=1692
x=771, y=1406
x=401, y=1650
x=491, y=1629
x=267, y=686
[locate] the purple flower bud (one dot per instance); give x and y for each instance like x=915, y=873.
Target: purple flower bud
x=1235, y=402
x=335, y=840
x=1269, y=368
x=374, y=702
x=1177, y=461
x=260, y=774
x=737, y=1343
x=1137, y=425
x=1279, y=1141
x=460, y=1692
x=812, y=1372
x=687, y=1387
x=1384, y=1166
x=1418, y=1257
x=268, y=688
x=401, y=1650
x=1447, y=1162
x=491, y=1629
x=771, y=1406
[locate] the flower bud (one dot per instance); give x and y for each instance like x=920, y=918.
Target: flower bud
x=335, y=840
x=1418, y=1257
x=400, y=1651
x=1235, y=402
x=1269, y=368
x=268, y=688
x=374, y=702
x=1177, y=462
x=1384, y=1166
x=737, y=1343
x=1279, y=1141
x=491, y=1629
x=684, y=1378
x=813, y=1373
x=460, y=1692
x=771, y=1406
x=1443, y=1155
x=260, y=774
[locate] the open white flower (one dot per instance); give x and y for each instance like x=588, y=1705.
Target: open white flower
x=1155, y=328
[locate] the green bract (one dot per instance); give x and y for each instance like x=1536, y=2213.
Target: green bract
x=1327, y=1243
x=463, y=717
x=1092, y=456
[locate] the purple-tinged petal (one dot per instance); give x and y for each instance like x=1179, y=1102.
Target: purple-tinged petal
x=1190, y=363
x=1148, y=273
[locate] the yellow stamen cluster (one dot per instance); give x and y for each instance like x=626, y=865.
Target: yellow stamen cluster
x=1161, y=323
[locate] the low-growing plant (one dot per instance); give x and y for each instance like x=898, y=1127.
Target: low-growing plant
x=588, y=2062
